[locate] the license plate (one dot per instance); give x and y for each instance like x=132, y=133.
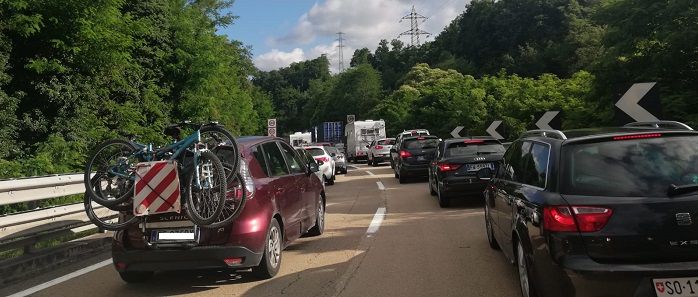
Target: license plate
x=175, y=235
x=685, y=286
x=476, y=167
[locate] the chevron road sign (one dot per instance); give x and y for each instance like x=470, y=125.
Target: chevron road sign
x=639, y=102
x=455, y=131
x=492, y=129
x=549, y=121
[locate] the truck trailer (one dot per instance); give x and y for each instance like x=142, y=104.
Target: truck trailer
x=359, y=135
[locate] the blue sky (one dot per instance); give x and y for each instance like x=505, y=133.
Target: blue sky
x=285, y=31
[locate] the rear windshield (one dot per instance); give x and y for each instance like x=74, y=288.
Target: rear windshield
x=627, y=168
x=385, y=141
x=315, y=151
x=478, y=148
x=416, y=143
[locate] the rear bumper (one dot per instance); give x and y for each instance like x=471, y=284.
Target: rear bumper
x=462, y=185
x=414, y=170
x=182, y=259
x=581, y=276
x=378, y=158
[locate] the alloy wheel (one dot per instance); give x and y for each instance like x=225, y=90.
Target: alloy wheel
x=274, y=247
x=523, y=271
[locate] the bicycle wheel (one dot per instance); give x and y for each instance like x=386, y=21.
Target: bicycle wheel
x=112, y=166
x=109, y=219
x=206, y=196
x=234, y=201
x=214, y=136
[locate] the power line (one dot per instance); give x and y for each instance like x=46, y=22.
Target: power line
x=440, y=7
x=341, y=52
x=414, y=30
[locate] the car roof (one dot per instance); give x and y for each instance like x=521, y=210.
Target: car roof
x=578, y=135
x=421, y=136
x=459, y=139
x=315, y=147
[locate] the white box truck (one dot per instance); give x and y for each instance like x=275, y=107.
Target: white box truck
x=300, y=139
x=359, y=135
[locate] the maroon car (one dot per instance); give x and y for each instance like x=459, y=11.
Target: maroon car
x=285, y=200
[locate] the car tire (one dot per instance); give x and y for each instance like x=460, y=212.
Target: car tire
x=403, y=178
x=374, y=163
x=369, y=161
x=443, y=200
x=330, y=181
x=525, y=282
x=488, y=228
x=319, y=227
x=136, y=276
x=271, y=259
x=396, y=175
x=431, y=188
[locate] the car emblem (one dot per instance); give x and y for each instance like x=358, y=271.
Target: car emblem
x=480, y=159
x=683, y=219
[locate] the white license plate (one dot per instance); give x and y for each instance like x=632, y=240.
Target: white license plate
x=174, y=235
x=476, y=167
x=684, y=287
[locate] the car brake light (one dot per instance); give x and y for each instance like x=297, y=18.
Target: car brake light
x=323, y=159
x=474, y=141
x=420, y=138
x=575, y=218
x=340, y=157
x=247, y=179
x=405, y=154
x=638, y=136
x=378, y=147
x=448, y=167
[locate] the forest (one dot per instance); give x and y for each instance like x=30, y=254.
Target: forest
x=74, y=73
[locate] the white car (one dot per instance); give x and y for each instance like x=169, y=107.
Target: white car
x=321, y=154
x=379, y=150
x=309, y=158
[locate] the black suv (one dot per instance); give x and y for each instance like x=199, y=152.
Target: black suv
x=411, y=156
x=452, y=171
x=598, y=212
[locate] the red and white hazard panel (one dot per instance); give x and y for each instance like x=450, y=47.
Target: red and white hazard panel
x=157, y=188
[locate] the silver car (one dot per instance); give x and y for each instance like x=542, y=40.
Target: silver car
x=340, y=161
x=379, y=150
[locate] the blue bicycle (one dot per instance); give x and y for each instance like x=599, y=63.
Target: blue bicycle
x=111, y=169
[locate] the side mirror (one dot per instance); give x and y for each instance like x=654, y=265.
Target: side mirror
x=313, y=167
x=484, y=174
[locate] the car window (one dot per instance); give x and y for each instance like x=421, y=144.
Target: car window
x=275, y=159
x=510, y=166
x=537, y=165
x=315, y=151
x=420, y=143
x=385, y=142
x=473, y=148
x=626, y=168
x=259, y=155
x=294, y=162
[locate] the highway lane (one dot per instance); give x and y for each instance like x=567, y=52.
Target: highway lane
x=418, y=249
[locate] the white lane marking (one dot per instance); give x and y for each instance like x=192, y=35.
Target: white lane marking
x=369, y=173
x=380, y=186
x=64, y=278
x=352, y=166
x=376, y=222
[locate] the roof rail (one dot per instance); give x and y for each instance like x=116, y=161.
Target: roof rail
x=545, y=133
x=660, y=125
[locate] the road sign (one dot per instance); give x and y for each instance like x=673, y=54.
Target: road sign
x=271, y=132
x=639, y=102
x=492, y=129
x=457, y=130
x=271, y=123
x=350, y=119
x=549, y=121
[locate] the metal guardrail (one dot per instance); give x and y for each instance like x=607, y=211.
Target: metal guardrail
x=25, y=229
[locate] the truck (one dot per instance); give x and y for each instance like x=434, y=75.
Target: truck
x=331, y=132
x=359, y=135
x=300, y=138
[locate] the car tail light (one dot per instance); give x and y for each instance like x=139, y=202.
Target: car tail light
x=247, y=179
x=378, y=147
x=232, y=261
x=638, y=136
x=575, y=218
x=474, y=141
x=340, y=157
x=323, y=159
x=448, y=167
x=420, y=138
x=121, y=266
x=405, y=154
x=359, y=153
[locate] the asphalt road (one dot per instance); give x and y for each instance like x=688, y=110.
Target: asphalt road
x=419, y=249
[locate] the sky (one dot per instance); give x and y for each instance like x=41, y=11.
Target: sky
x=281, y=32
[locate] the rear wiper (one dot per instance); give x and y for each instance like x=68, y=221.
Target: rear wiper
x=675, y=190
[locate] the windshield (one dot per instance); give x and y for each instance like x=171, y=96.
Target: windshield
x=482, y=148
x=426, y=143
x=315, y=151
x=625, y=168
x=385, y=142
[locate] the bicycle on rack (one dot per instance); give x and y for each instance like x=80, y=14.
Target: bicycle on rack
x=110, y=173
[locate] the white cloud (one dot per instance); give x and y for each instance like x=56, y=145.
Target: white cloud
x=365, y=23
x=276, y=59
